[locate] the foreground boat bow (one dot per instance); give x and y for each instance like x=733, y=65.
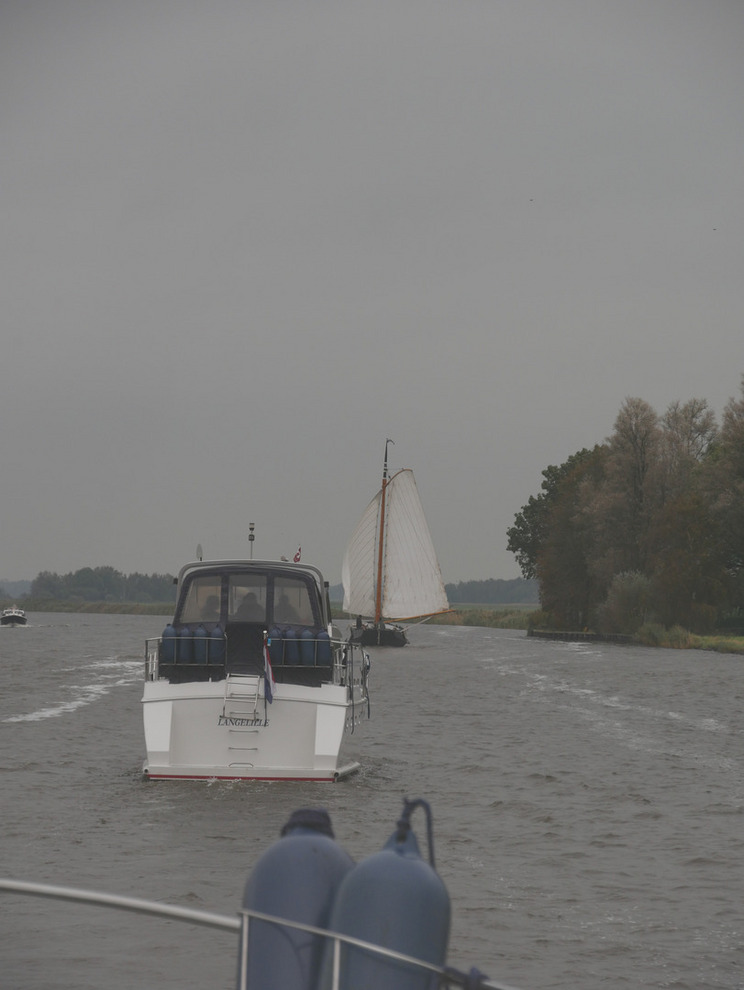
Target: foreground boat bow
x=382, y=922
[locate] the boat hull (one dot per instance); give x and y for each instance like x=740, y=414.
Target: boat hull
x=380, y=636
x=13, y=620
x=227, y=730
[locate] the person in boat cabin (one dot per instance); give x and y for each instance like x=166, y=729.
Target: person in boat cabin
x=211, y=610
x=283, y=611
x=249, y=610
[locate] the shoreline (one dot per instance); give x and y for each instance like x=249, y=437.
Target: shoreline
x=490, y=616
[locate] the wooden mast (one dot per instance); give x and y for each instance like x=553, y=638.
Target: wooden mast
x=381, y=539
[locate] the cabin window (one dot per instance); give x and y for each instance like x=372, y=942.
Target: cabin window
x=202, y=600
x=292, y=603
x=247, y=598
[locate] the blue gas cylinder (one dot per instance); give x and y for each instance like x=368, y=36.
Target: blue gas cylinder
x=185, y=648
x=324, y=649
x=275, y=646
x=200, y=644
x=168, y=644
x=296, y=879
x=216, y=645
x=291, y=647
x=396, y=900
x=307, y=647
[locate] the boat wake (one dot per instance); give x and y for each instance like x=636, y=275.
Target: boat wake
x=114, y=674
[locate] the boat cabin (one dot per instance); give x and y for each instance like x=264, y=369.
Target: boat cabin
x=226, y=608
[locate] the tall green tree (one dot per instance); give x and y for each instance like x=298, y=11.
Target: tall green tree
x=627, y=605
x=689, y=433
x=568, y=589
x=549, y=538
x=526, y=537
x=46, y=584
x=630, y=488
x=686, y=565
x=726, y=480
x=650, y=518
x=649, y=523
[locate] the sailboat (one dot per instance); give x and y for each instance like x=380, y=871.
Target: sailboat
x=390, y=570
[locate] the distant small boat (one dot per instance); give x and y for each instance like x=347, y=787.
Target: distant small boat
x=13, y=616
x=390, y=570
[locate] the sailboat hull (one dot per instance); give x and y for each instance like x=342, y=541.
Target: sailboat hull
x=385, y=635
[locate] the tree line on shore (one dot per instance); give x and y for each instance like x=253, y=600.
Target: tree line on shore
x=493, y=591
x=102, y=584
x=106, y=584
x=646, y=527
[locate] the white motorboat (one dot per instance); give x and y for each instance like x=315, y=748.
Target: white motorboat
x=390, y=571
x=251, y=680
x=12, y=616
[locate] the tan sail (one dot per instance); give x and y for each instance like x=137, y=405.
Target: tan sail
x=410, y=581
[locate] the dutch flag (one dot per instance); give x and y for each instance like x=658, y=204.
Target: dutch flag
x=269, y=682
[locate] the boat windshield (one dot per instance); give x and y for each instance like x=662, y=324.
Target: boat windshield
x=281, y=599
x=247, y=598
x=202, y=599
x=292, y=602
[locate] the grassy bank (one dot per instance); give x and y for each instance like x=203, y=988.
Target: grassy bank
x=491, y=616
x=678, y=638
x=520, y=617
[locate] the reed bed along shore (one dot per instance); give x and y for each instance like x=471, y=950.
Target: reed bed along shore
x=651, y=634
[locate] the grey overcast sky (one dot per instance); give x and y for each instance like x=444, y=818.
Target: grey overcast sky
x=244, y=242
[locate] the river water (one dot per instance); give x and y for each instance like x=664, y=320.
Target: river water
x=588, y=806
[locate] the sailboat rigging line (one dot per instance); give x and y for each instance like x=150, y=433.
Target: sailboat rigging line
x=381, y=541
x=349, y=662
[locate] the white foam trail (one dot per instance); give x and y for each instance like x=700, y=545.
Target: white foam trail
x=86, y=694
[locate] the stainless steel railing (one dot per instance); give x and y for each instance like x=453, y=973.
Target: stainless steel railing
x=447, y=977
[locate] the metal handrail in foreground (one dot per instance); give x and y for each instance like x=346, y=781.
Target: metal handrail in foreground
x=448, y=977
x=134, y=904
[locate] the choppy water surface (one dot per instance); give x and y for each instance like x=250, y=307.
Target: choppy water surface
x=587, y=808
